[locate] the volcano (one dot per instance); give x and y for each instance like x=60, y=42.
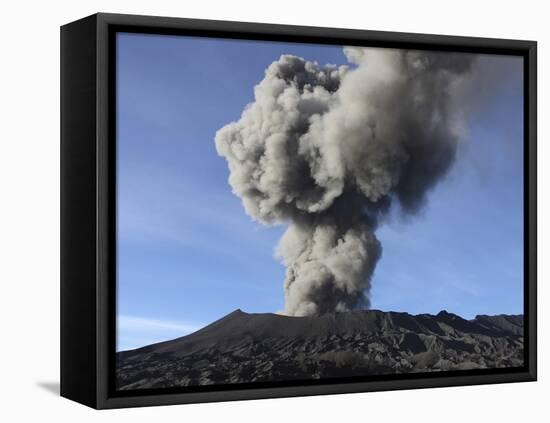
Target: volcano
x=261, y=347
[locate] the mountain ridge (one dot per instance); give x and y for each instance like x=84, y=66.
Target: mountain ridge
x=242, y=347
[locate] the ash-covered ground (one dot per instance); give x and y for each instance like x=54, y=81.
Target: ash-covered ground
x=243, y=347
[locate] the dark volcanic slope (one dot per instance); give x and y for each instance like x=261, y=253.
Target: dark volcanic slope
x=243, y=347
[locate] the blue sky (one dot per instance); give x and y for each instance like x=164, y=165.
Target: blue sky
x=187, y=252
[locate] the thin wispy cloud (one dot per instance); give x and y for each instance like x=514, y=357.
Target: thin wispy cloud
x=141, y=323
x=136, y=331
x=149, y=221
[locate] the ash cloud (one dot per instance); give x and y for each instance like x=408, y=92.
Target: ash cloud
x=329, y=150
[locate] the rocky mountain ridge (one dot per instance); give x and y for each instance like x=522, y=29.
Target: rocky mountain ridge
x=258, y=347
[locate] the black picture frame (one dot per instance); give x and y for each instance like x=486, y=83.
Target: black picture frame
x=88, y=205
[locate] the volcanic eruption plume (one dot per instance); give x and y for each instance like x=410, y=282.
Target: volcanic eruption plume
x=328, y=150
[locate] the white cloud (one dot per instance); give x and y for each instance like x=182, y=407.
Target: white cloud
x=140, y=323
x=135, y=331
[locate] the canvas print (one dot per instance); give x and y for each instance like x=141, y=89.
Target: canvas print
x=296, y=212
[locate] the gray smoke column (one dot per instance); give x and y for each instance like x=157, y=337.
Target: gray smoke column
x=329, y=149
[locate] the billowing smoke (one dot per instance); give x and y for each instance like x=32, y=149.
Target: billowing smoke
x=328, y=150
